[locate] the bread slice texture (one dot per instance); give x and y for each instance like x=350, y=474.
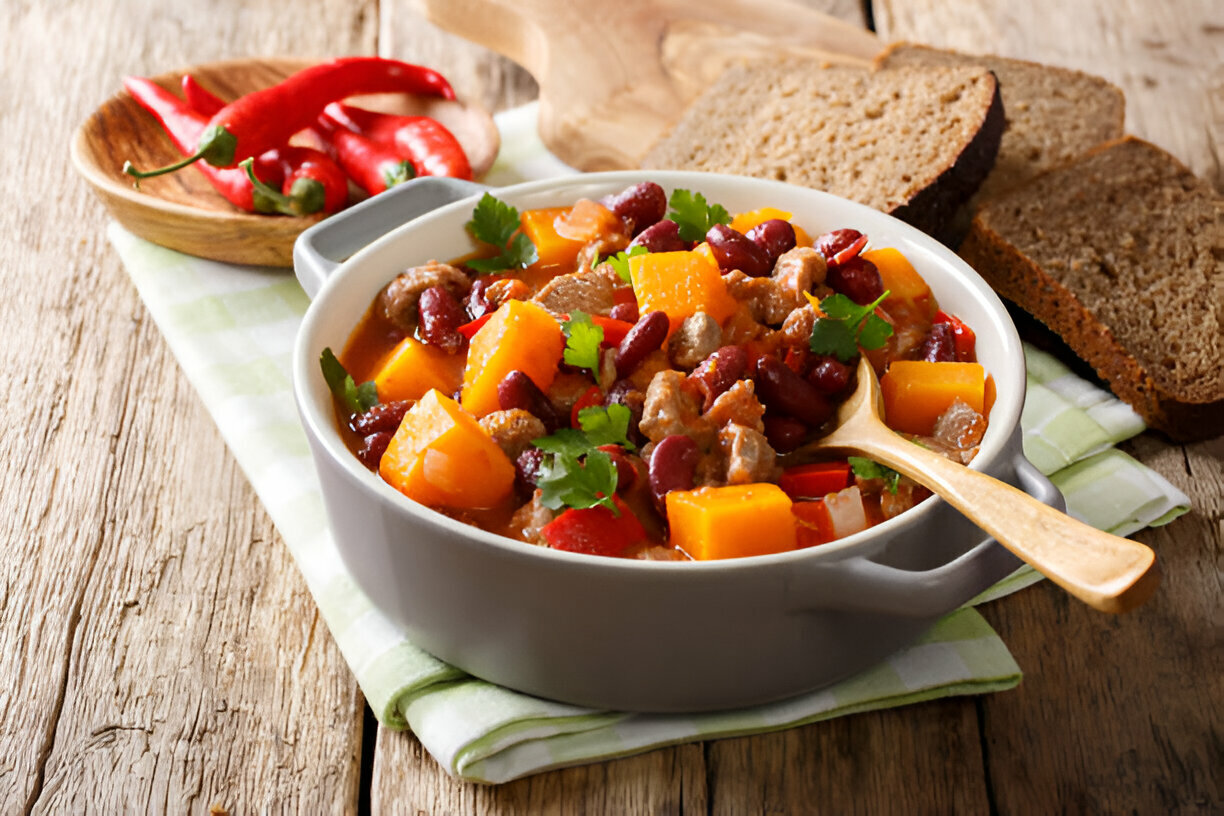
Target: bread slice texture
x=1121, y=253
x=915, y=143
x=1053, y=114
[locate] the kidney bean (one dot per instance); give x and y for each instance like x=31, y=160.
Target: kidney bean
x=939, y=345
x=517, y=390
x=784, y=433
x=373, y=447
x=774, y=237
x=718, y=372
x=840, y=245
x=646, y=335
x=477, y=302
x=830, y=375
x=673, y=464
x=441, y=317
x=639, y=206
x=383, y=417
x=627, y=312
x=661, y=237
x=733, y=250
x=626, y=473
x=857, y=279
x=527, y=469
x=783, y=390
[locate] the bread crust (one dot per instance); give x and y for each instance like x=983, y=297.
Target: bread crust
x=1021, y=280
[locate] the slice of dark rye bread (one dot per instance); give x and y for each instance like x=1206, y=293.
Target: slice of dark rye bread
x=915, y=143
x=1121, y=253
x=1053, y=114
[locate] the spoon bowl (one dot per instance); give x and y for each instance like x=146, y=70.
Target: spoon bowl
x=1105, y=571
x=181, y=210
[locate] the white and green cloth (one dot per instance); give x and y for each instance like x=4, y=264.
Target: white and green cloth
x=232, y=330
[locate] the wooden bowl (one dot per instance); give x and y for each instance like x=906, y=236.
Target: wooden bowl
x=182, y=210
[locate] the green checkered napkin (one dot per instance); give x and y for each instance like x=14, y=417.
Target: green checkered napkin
x=232, y=329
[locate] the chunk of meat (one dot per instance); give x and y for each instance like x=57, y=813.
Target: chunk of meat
x=398, y=299
x=738, y=405
x=590, y=291
x=799, y=269
x=696, y=338
x=567, y=387
x=513, y=430
x=767, y=300
x=500, y=291
x=960, y=426
x=671, y=409
x=529, y=518
x=749, y=457
x=797, y=328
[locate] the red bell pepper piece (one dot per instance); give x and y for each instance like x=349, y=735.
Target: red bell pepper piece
x=595, y=530
x=470, y=328
x=813, y=524
x=184, y=126
x=374, y=165
x=266, y=118
x=433, y=150
x=815, y=480
x=964, y=338
x=310, y=178
x=591, y=396
x=614, y=330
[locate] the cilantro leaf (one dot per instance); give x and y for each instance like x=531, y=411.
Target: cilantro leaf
x=620, y=261
x=693, y=215
x=564, y=481
x=606, y=425
x=865, y=468
x=356, y=398
x=496, y=223
x=582, y=341
x=846, y=327
x=564, y=442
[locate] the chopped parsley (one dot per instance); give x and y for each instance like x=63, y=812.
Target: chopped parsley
x=582, y=341
x=846, y=327
x=356, y=398
x=693, y=215
x=497, y=223
x=865, y=468
x=620, y=261
x=575, y=473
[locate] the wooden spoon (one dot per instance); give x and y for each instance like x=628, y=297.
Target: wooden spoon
x=182, y=210
x=1105, y=571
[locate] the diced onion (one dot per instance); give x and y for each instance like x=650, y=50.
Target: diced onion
x=846, y=511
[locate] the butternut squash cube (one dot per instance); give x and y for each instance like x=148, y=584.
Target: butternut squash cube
x=538, y=225
x=680, y=284
x=917, y=392
x=901, y=280
x=520, y=335
x=731, y=522
x=413, y=368
x=441, y=457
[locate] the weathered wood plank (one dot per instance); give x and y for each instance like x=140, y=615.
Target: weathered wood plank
x=1167, y=58
x=159, y=651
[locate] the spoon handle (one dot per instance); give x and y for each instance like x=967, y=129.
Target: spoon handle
x=1105, y=571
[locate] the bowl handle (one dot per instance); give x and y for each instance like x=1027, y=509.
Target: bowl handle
x=862, y=585
x=320, y=249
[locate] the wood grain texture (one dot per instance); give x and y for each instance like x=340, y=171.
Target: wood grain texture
x=159, y=651
x=1168, y=58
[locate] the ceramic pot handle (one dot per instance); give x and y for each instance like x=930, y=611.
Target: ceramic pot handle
x=320, y=249
x=862, y=585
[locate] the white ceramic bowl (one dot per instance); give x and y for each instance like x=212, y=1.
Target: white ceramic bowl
x=637, y=635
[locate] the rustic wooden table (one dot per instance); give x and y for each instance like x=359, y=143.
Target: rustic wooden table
x=160, y=653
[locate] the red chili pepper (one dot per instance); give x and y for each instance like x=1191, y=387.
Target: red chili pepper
x=266, y=118
x=374, y=165
x=433, y=150
x=591, y=396
x=595, y=530
x=469, y=330
x=965, y=339
x=614, y=330
x=184, y=125
x=200, y=98
x=815, y=480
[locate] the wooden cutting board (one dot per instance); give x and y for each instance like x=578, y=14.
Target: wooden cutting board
x=614, y=74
